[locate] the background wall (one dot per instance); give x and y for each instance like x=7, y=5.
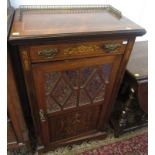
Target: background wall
x=135, y=10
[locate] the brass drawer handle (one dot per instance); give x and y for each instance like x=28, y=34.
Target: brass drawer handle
x=111, y=47
x=47, y=53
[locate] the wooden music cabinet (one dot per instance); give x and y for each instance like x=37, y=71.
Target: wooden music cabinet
x=73, y=59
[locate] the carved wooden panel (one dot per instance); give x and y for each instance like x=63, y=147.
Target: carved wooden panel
x=74, y=123
x=72, y=88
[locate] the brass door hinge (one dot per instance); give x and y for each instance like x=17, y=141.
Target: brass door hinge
x=42, y=115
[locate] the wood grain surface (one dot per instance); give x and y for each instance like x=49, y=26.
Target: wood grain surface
x=43, y=23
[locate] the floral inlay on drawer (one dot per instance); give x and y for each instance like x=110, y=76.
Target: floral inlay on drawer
x=76, y=50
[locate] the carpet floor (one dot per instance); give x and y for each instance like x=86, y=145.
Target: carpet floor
x=132, y=143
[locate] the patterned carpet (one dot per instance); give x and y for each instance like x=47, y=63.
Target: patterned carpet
x=133, y=146
x=132, y=143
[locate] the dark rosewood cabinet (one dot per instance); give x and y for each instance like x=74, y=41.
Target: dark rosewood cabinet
x=73, y=63
x=17, y=132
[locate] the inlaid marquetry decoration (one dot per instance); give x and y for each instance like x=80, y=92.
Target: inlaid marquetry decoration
x=78, y=87
x=73, y=123
x=91, y=49
x=81, y=50
x=25, y=60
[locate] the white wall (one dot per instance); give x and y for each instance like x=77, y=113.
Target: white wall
x=135, y=10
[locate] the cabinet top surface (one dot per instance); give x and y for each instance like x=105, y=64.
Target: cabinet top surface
x=71, y=21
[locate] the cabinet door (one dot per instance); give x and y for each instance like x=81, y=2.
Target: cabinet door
x=72, y=95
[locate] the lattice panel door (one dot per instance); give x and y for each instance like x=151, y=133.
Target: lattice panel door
x=72, y=96
x=78, y=87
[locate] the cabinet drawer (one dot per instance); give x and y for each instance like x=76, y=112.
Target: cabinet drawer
x=76, y=50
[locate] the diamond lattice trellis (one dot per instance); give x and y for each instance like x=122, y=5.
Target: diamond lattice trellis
x=83, y=86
